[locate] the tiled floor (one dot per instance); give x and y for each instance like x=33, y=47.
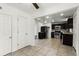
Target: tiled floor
x=46, y=47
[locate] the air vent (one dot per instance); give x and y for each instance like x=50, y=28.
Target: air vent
x=35, y=5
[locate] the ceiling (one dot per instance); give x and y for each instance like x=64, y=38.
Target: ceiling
x=26, y=7
x=53, y=10
x=56, y=17
x=30, y=9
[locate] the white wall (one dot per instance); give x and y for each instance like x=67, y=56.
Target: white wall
x=37, y=26
x=15, y=13
x=76, y=31
x=54, y=9
x=31, y=31
x=77, y=43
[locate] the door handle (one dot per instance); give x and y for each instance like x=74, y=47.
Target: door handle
x=26, y=33
x=10, y=37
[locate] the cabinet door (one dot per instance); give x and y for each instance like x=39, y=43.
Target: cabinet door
x=22, y=32
x=5, y=34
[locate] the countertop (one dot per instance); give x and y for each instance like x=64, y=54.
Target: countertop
x=67, y=33
x=64, y=32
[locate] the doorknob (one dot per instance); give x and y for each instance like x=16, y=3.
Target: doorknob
x=10, y=37
x=26, y=33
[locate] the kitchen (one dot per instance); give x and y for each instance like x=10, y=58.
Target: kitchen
x=64, y=31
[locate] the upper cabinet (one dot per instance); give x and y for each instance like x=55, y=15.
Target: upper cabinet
x=65, y=25
x=70, y=22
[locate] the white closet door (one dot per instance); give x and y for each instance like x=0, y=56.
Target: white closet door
x=5, y=34
x=22, y=32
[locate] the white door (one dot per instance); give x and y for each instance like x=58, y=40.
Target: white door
x=22, y=32
x=5, y=34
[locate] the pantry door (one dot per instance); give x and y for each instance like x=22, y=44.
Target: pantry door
x=22, y=32
x=5, y=34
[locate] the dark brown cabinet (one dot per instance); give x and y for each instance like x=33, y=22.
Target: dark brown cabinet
x=52, y=34
x=64, y=26
x=43, y=33
x=68, y=39
x=70, y=23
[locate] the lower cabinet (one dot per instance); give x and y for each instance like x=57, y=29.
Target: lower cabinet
x=42, y=35
x=52, y=34
x=68, y=39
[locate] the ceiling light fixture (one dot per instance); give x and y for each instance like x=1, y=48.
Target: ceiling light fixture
x=45, y=21
x=52, y=20
x=66, y=19
x=47, y=17
x=61, y=14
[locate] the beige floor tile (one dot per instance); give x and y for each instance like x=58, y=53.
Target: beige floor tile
x=46, y=47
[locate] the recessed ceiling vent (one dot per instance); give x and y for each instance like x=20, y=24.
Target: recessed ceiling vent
x=35, y=5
